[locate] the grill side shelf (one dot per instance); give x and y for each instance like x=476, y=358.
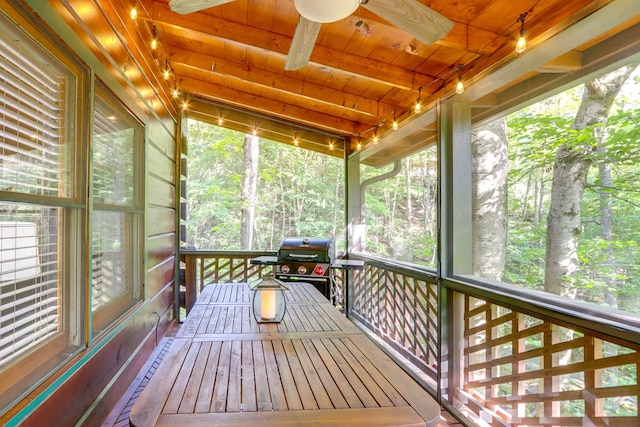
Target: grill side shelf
x=345, y=264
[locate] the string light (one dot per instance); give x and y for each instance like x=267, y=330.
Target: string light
x=521, y=45
x=133, y=13
x=295, y=141
x=154, y=40
x=331, y=145
x=418, y=106
x=375, y=136
x=359, y=146
x=459, y=85
x=167, y=70
x=255, y=132
x=394, y=125
x=175, y=92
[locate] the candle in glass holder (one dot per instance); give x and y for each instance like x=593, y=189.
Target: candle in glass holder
x=268, y=304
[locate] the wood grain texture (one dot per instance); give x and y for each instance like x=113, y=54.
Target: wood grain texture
x=314, y=365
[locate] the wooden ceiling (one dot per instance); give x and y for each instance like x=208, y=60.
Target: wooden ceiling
x=228, y=62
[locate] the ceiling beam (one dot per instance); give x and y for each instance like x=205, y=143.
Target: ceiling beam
x=285, y=111
x=212, y=26
x=309, y=91
x=269, y=128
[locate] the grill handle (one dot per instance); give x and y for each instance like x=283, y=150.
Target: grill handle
x=304, y=256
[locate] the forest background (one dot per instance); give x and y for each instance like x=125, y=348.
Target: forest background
x=555, y=185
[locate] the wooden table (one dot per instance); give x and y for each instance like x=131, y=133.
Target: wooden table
x=313, y=368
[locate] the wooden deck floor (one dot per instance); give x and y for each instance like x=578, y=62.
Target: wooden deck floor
x=119, y=416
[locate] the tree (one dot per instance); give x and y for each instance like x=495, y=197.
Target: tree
x=490, y=170
x=572, y=162
x=249, y=190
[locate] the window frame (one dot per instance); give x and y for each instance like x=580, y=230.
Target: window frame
x=27, y=371
x=103, y=317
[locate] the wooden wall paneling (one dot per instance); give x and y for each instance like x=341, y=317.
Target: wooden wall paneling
x=160, y=220
x=160, y=247
x=160, y=275
x=160, y=166
x=162, y=135
x=76, y=395
x=162, y=193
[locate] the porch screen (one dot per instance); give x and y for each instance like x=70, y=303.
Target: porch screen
x=39, y=209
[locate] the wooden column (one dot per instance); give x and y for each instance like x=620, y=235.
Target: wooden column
x=191, y=291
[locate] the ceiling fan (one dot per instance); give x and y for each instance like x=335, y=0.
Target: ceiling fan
x=410, y=16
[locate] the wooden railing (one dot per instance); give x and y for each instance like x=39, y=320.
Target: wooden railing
x=492, y=355
x=202, y=267
x=400, y=306
x=503, y=357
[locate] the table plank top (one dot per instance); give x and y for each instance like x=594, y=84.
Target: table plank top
x=314, y=368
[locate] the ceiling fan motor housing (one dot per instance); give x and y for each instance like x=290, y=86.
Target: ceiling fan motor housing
x=327, y=10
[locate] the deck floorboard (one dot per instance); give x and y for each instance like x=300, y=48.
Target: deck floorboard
x=119, y=416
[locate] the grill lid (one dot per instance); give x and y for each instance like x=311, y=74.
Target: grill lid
x=306, y=249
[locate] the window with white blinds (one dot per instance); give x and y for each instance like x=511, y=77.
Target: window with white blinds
x=116, y=225
x=29, y=277
x=40, y=209
x=34, y=127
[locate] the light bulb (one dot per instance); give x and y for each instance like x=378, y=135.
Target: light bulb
x=521, y=45
x=359, y=145
x=418, y=106
x=459, y=87
x=331, y=146
x=220, y=121
x=375, y=139
x=154, y=43
x=176, y=92
x=166, y=74
x=133, y=13
x=394, y=126
x=295, y=141
x=255, y=132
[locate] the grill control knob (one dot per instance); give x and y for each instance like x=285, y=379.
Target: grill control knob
x=284, y=269
x=302, y=269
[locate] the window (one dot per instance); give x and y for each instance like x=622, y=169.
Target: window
x=41, y=211
x=116, y=223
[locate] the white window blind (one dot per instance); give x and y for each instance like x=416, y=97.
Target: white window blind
x=36, y=99
x=116, y=224
x=32, y=122
x=29, y=278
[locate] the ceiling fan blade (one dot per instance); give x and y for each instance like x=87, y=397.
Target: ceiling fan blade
x=413, y=17
x=188, y=6
x=302, y=44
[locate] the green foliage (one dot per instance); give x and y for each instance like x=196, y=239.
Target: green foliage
x=608, y=267
x=299, y=192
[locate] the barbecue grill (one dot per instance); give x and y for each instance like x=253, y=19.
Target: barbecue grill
x=306, y=259
x=310, y=260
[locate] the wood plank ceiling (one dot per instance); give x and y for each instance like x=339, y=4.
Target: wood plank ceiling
x=228, y=62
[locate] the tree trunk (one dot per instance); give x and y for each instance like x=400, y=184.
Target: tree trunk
x=573, y=160
x=489, y=240
x=249, y=190
x=606, y=226
x=409, y=201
